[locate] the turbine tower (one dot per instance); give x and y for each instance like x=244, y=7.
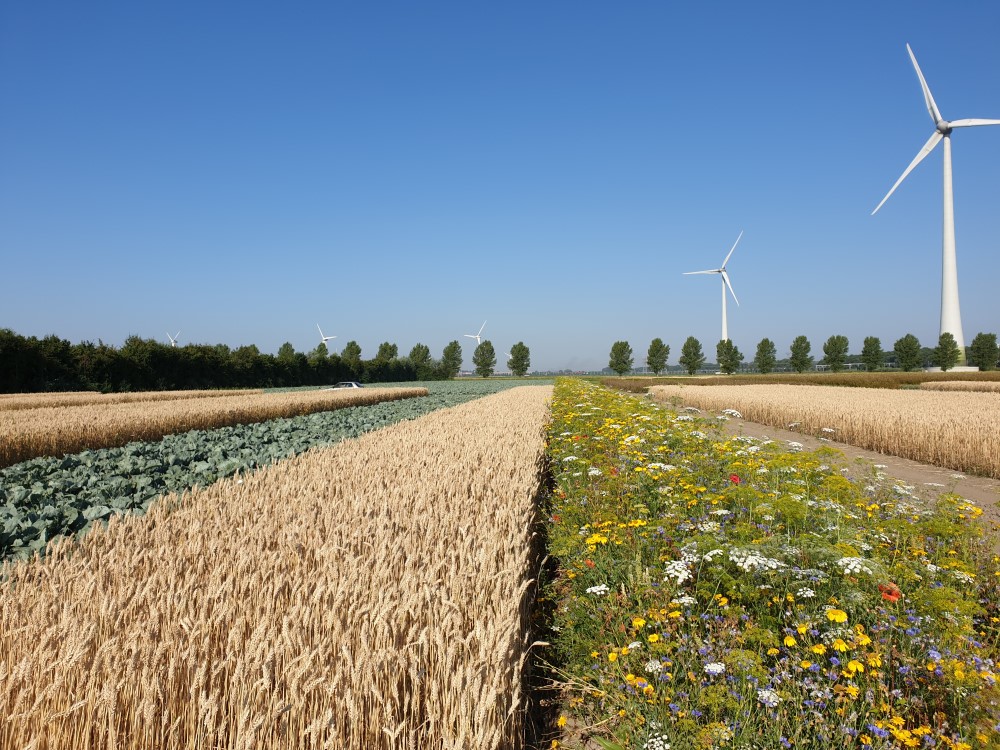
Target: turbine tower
x=951, y=315
x=725, y=283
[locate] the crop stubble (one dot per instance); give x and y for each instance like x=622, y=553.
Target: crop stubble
x=54, y=431
x=17, y=401
x=956, y=430
x=374, y=594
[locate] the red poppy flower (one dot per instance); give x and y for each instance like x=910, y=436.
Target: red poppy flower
x=890, y=592
x=734, y=478
x=614, y=471
x=589, y=563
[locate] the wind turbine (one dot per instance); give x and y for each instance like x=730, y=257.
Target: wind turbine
x=951, y=315
x=725, y=283
x=476, y=335
x=324, y=339
x=173, y=339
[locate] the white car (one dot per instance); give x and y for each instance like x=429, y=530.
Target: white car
x=348, y=384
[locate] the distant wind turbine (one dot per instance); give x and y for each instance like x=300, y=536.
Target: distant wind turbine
x=476, y=335
x=173, y=339
x=324, y=339
x=951, y=315
x=725, y=283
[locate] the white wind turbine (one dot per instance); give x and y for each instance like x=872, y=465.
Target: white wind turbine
x=324, y=339
x=725, y=283
x=173, y=339
x=951, y=315
x=476, y=335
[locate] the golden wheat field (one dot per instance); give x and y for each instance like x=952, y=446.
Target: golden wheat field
x=962, y=385
x=951, y=429
x=15, y=401
x=374, y=594
x=54, y=431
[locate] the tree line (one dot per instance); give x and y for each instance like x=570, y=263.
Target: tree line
x=908, y=354
x=31, y=365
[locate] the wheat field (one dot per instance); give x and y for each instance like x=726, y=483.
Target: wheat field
x=374, y=594
x=54, y=431
x=15, y=401
x=985, y=386
x=957, y=430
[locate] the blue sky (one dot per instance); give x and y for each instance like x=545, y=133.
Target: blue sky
x=402, y=171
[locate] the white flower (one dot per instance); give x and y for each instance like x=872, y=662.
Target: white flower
x=793, y=425
x=685, y=600
x=768, y=697
x=635, y=645
x=794, y=446
x=684, y=418
x=732, y=413
x=806, y=593
x=715, y=667
x=708, y=526
x=854, y=565
x=599, y=590
x=677, y=570
x=653, y=666
x=827, y=429
x=593, y=471
x=750, y=561
x=570, y=458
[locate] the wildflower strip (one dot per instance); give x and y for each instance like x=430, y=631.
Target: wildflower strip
x=719, y=591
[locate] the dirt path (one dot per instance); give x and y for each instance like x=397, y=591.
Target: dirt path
x=926, y=480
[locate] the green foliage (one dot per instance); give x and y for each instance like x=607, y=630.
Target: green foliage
x=387, y=351
x=946, y=354
x=872, y=354
x=485, y=359
x=835, y=352
x=728, y=356
x=621, y=357
x=800, y=359
x=352, y=353
x=766, y=357
x=692, y=358
x=907, y=351
x=656, y=356
x=420, y=355
x=286, y=354
x=520, y=359
x=451, y=360
x=984, y=352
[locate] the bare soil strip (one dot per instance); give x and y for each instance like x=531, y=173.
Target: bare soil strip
x=374, y=594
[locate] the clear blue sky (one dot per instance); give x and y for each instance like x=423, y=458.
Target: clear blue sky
x=402, y=171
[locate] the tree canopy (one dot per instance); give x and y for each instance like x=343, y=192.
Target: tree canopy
x=621, y=357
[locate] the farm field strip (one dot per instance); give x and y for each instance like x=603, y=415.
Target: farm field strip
x=59, y=430
x=962, y=385
x=47, y=497
x=18, y=401
x=950, y=429
x=374, y=594
x=855, y=379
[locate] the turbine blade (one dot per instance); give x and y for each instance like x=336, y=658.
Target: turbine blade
x=482, y=327
x=932, y=108
x=733, y=248
x=971, y=122
x=319, y=329
x=725, y=280
x=928, y=147
x=690, y=273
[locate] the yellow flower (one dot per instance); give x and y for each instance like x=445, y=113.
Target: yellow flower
x=594, y=654
x=874, y=660
x=773, y=652
x=819, y=648
x=638, y=622
x=723, y=601
x=805, y=664
x=561, y=722
x=624, y=650
x=789, y=641
x=612, y=656
x=855, y=666
x=853, y=691
x=802, y=628
x=675, y=614
x=654, y=638
x=839, y=645
x=836, y=615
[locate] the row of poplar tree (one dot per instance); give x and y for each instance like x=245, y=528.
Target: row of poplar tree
x=907, y=353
